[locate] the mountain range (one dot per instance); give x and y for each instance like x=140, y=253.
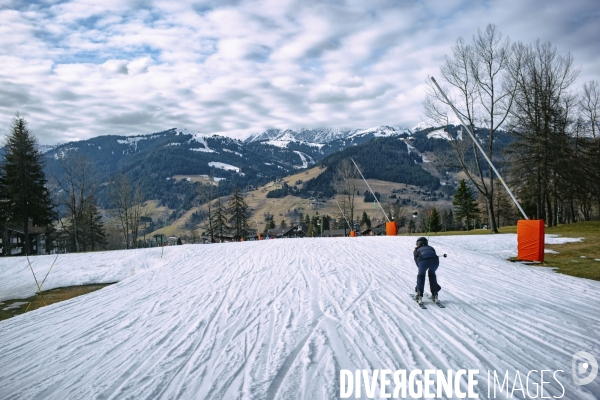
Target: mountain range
x=154, y=160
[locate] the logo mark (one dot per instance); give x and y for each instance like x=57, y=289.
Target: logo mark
x=582, y=363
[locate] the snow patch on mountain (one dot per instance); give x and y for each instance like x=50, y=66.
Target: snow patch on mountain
x=132, y=141
x=305, y=158
x=63, y=152
x=200, y=138
x=439, y=134
x=381, y=131
x=224, y=166
x=44, y=148
x=421, y=126
x=278, y=143
x=281, y=138
x=233, y=152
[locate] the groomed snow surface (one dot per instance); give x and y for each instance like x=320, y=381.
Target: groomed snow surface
x=278, y=319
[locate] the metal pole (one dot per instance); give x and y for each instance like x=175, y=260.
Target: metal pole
x=343, y=215
x=479, y=146
x=361, y=175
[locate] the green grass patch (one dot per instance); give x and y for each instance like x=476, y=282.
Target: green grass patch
x=10, y=308
x=577, y=258
x=504, y=229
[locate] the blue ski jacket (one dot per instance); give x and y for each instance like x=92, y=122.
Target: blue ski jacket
x=425, y=253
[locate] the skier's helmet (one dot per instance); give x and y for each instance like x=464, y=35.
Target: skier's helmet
x=421, y=242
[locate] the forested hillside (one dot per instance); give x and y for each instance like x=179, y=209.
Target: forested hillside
x=386, y=159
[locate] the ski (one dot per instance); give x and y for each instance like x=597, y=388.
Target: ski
x=439, y=303
x=420, y=304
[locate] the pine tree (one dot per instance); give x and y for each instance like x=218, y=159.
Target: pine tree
x=411, y=226
x=311, y=231
x=219, y=221
x=95, y=228
x=326, y=222
x=25, y=196
x=435, y=225
x=466, y=206
x=237, y=209
x=447, y=220
x=283, y=224
x=365, y=221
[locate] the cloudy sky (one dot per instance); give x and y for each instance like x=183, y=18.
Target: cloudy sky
x=85, y=68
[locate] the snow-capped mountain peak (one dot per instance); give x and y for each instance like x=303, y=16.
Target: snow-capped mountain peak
x=323, y=135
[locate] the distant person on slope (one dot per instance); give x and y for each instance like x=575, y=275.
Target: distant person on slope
x=426, y=260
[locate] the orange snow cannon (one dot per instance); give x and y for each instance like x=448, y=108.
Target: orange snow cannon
x=530, y=240
x=391, y=228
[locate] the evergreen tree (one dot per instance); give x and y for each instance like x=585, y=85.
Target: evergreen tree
x=365, y=221
x=25, y=196
x=237, y=209
x=316, y=228
x=326, y=222
x=271, y=223
x=93, y=228
x=447, y=220
x=219, y=221
x=283, y=224
x=208, y=223
x=435, y=225
x=411, y=226
x=503, y=206
x=466, y=206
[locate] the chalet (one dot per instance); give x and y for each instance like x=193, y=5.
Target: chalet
x=13, y=242
x=294, y=231
x=378, y=230
x=336, y=232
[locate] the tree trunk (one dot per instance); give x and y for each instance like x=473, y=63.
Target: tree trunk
x=26, y=242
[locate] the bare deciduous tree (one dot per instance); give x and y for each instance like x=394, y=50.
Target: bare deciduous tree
x=542, y=151
x=590, y=111
x=80, y=218
x=344, y=183
x=127, y=199
x=477, y=84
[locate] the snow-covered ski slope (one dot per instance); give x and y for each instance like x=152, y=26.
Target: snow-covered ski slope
x=278, y=319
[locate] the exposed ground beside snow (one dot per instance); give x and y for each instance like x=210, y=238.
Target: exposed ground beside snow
x=279, y=318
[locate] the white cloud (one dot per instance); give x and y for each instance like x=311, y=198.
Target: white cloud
x=83, y=68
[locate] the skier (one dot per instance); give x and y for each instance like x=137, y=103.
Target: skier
x=426, y=260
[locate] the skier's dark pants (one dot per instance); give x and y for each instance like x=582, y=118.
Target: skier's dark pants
x=431, y=265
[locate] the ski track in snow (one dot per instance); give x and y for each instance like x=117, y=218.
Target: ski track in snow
x=277, y=319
